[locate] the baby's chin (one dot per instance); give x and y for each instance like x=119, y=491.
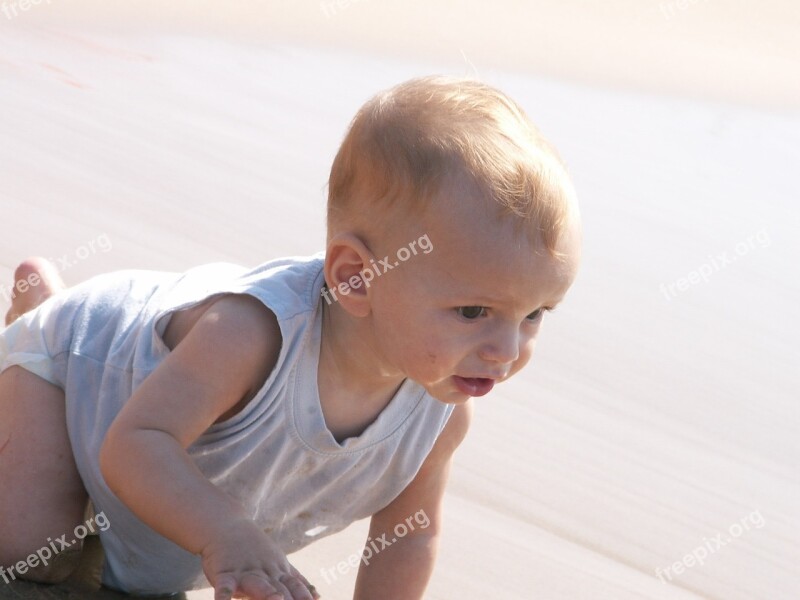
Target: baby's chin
x=444, y=391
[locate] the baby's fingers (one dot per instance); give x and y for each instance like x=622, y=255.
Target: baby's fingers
x=257, y=587
x=224, y=587
x=299, y=588
x=250, y=586
x=315, y=595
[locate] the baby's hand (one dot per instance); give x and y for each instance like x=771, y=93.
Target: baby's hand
x=246, y=563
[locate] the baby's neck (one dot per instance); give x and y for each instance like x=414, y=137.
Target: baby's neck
x=355, y=384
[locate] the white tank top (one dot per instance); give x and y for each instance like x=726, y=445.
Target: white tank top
x=276, y=456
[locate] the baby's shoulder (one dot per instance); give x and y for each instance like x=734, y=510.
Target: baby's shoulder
x=232, y=329
x=229, y=320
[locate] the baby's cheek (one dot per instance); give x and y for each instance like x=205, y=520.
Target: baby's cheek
x=525, y=355
x=435, y=351
x=432, y=358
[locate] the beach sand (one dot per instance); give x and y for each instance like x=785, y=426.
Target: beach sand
x=658, y=423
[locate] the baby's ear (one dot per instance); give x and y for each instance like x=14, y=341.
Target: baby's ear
x=345, y=261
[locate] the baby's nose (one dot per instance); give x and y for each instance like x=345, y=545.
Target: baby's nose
x=503, y=347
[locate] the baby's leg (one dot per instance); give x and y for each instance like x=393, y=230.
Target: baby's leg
x=41, y=495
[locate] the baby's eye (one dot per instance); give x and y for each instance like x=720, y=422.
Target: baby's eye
x=535, y=315
x=538, y=313
x=471, y=312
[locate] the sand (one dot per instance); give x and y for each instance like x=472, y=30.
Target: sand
x=658, y=424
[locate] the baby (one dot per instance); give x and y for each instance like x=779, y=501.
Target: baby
x=225, y=417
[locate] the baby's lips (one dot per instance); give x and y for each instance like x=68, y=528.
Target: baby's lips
x=474, y=386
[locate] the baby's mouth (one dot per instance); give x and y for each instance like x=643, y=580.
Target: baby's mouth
x=474, y=386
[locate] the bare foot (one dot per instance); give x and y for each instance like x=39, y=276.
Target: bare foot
x=35, y=280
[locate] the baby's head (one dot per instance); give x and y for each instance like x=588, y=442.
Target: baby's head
x=473, y=208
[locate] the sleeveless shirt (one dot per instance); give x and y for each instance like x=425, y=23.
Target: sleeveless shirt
x=99, y=340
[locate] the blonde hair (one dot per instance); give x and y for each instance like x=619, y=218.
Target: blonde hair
x=406, y=142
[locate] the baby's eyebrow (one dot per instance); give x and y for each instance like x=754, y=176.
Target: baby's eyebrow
x=552, y=305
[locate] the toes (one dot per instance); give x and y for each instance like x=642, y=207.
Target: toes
x=39, y=272
x=35, y=280
x=11, y=316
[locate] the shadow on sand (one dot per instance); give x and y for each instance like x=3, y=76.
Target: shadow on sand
x=83, y=584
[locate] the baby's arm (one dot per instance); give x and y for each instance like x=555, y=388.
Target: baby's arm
x=222, y=360
x=400, y=570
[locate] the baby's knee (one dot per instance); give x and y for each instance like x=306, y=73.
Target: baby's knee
x=53, y=569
